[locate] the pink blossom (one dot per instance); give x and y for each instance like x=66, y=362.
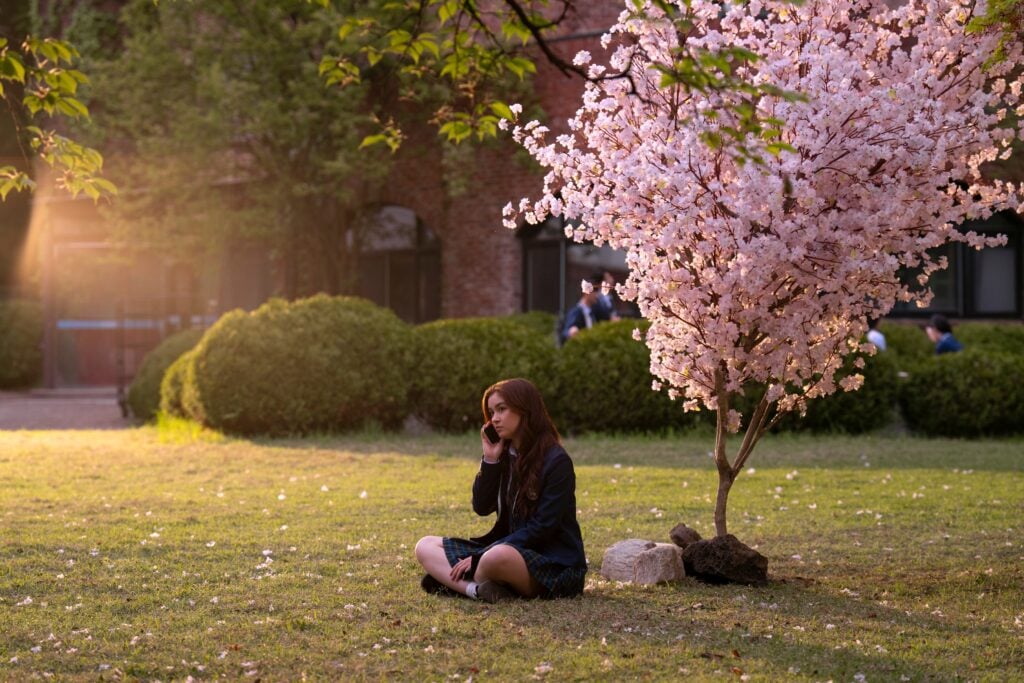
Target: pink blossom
x=766, y=273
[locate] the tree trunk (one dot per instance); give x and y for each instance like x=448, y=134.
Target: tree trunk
x=725, y=471
x=725, y=480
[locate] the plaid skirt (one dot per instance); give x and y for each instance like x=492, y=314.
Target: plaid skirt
x=556, y=580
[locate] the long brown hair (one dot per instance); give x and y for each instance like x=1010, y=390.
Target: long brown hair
x=537, y=433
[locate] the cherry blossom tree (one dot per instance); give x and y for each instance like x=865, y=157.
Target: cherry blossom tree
x=762, y=274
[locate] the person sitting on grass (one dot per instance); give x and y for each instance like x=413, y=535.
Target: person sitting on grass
x=535, y=548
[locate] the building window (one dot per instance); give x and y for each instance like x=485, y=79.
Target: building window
x=977, y=284
x=400, y=264
x=544, y=248
x=554, y=266
x=994, y=280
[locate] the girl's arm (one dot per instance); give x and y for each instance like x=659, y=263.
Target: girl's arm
x=486, y=488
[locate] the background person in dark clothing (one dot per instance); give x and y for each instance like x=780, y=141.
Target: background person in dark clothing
x=604, y=308
x=941, y=333
x=585, y=313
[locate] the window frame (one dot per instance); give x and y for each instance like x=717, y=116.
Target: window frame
x=426, y=247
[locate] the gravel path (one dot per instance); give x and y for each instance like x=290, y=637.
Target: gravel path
x=61, y=409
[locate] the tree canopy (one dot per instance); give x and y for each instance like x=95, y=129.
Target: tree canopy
x=763, y=275
x=218, y=118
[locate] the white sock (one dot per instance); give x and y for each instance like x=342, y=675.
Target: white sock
x=471, y=590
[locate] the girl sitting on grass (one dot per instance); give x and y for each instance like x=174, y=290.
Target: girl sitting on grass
x=535, y=548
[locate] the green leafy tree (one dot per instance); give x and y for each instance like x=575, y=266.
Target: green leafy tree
x=1008, y=16
x=39, y=87
x=216, y=117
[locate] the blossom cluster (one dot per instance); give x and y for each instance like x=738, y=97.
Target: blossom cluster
x=766, y=273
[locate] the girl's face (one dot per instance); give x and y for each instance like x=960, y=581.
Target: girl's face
x=505, y=420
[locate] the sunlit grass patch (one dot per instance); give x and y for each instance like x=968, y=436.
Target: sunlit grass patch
x=177, y=430
x=163, y=553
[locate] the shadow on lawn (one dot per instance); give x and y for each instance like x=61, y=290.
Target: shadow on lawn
x=767, y=631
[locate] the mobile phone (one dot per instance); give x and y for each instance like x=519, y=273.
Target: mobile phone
x=491, y=433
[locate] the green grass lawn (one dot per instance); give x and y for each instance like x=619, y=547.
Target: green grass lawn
x=160, y=554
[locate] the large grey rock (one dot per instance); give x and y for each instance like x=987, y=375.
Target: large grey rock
x=619, y=559
x=638, y=561
x=724, y=559
x=663, y=562
x=683, y=535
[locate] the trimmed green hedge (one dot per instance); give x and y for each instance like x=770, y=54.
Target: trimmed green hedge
x=144, y=392
x=456, y=360
x=337, y=363
x=543, y=323
x=606, y=383
x=971, y=393
x=910, y=342
x=323, y=363
x=854, y=412
x=907, y=340
x=172, y=387
x=991, y=337
x=21, y=333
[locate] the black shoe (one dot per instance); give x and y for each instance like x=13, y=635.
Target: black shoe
x=492, y=592
x=433, y=586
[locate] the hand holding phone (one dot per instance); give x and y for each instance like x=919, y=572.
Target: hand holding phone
x=491, y=433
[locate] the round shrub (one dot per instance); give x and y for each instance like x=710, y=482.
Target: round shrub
x=605, y=383
x=971, y=393
x=542, y=322
x=21, y=333
x=907, y=340
x=456, y=360
x=173, y=386
x=854, y=412
x=992, y=337
x=318, y=364
x=144, y=392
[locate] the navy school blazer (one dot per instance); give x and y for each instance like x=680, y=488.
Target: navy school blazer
x=551, y=529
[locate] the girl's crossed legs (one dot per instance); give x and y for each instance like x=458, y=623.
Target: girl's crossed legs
x=501, y=564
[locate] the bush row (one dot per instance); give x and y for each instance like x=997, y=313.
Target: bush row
x=318, y=364
x=144, y=392
x=972, y=393
x=21, y=333
x=337, y=363
x=910, y=343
